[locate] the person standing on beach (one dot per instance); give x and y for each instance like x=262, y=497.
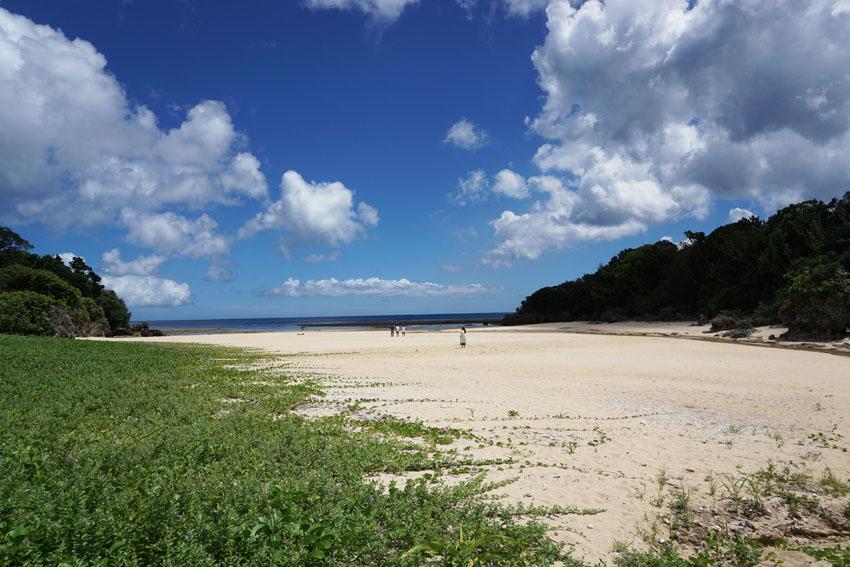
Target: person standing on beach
x=463, y=337
x=403, y=331
x=392, y=331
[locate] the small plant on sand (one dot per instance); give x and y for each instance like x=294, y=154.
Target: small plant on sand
x=681, y=501
x=661, y=478
x=712, y=484
x=832, y=484
x=715, y=551
x=755, y=490
x=776, y=436
x=733, y=487
x=513, y=413
x=601, y=437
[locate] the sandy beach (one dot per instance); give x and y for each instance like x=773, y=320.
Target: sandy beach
x=626, y=418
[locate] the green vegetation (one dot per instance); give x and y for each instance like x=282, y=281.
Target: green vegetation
x=40, y=295
x=793, y=268
x=718, y=550
x=140, y=454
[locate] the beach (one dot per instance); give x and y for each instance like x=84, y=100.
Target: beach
x=613, y=423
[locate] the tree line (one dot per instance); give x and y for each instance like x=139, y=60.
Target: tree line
x=41, y=295
x=793, y=269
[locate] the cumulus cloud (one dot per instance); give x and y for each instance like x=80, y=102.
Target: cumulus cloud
x=464, y=134
x=170, y=232
x=382, y=10
x=314, y=212
x=148, y=291
x=141, y=266
x=138, y=285
x=656, y=108
x=375, y=287
x=738, y=213
x=73, y=150
x=471, y=188
x=510, y=184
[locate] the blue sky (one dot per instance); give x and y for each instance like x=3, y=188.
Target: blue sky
x=324, y=157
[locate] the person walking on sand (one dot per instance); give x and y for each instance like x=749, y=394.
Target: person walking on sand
x=403, y=331
x=463, y=337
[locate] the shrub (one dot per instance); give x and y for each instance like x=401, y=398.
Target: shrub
x=817, y=299
x=25, y=313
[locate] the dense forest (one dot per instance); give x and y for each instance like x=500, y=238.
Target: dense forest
x=793, y=268
x=40, y=295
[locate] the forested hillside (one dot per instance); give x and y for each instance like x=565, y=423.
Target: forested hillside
x=40, y=295
x=792, y=268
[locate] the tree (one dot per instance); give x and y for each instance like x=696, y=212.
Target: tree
x=817, y=299
x=115, y=310
x=11, y=240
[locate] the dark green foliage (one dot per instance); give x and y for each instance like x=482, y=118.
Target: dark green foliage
x=25, y=313
x=10, y=240
x=22, y=278
x=817, y=298
x=114, y=310
x=78, y=303
x=140, y=454
x=717, y=551
x=797, y=260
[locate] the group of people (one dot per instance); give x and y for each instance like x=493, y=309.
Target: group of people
x=397, y=331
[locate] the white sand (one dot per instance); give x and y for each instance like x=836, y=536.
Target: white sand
x=662, y=402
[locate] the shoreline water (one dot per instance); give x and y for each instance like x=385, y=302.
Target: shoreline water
x=265, y=324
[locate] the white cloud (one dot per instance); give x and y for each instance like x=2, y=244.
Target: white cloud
x=148, y=291
x=374, y=287
x=329, y=257
x=219, y=272
x=449, y=268
x=383, y=10
x=738, y=213
x=464, y=233
x=656, y=108
x=314, y=212
x=74, y=151
x=510, y=184
x=170, y=232
x=524, y=8
x=464, y=134
x=471, y=188
x=141, y=266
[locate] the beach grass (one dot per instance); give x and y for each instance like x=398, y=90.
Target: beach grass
x=162, y=454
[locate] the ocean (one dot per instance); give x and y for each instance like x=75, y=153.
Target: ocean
x=431, y=321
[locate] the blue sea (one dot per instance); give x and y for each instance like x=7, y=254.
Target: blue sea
x=430, y=321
